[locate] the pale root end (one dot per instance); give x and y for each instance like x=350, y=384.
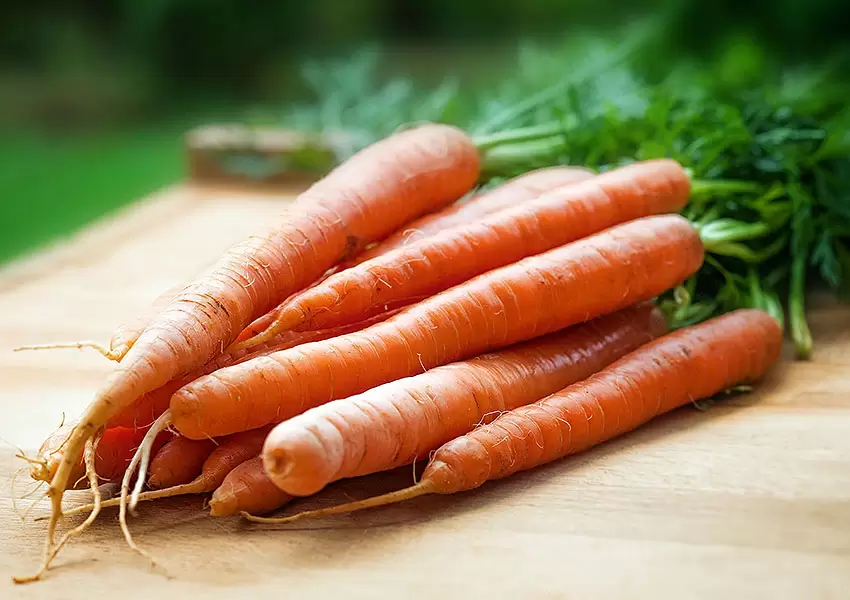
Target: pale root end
x=420, y=489
x=112, y=354
x=223, y=505
x=120, y=351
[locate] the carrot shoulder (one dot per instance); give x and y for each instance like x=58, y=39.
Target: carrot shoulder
x=396, y=423
x=539, y=295
x=670, y=372
x=440, y=261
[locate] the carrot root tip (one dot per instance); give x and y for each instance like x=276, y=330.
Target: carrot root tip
x=420, y=489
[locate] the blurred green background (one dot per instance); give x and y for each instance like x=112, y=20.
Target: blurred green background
x=95, y=96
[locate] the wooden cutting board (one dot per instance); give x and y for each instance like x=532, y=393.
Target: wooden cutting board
x=750, y=499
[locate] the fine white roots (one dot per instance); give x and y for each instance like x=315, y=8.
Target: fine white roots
x=140, y=460
x=52, y=550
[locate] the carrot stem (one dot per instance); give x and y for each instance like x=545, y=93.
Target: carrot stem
x=700, y=187
x=800, y=332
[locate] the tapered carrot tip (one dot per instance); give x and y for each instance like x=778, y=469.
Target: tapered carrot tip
x=420, y=489
x=223, y=504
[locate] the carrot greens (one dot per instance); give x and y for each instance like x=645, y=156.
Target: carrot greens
x=768, y=150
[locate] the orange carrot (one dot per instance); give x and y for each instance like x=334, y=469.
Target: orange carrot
x=179, y=461
x=670, y=372
x=362, y=200
x=231, y=452
x=247, y=488
x=393, y=424
x=511, y=193
x=150, y=406
x=453, y=256
x=539, y=295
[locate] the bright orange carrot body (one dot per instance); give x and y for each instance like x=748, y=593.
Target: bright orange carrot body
x=393, y=424
x=247, y=488
x=178, y=462
x=455, y=255
x=511, y=193
x=539, y=295
x=684, y=366
x=230, y=453
x=362, y=200
x=665, y=374
x=146, y=409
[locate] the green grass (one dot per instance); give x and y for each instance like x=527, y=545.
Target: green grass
x=51, y=186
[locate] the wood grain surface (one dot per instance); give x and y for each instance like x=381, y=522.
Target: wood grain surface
x=750, y=499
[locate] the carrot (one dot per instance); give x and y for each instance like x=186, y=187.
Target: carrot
x=231, y=451
x=511, y=193
x=443, y=260
x=393, y=424
x=539, y=295
x=150, y=406
x=179, y=461
x=247, y=488
x=362, y=200
x=684, y=366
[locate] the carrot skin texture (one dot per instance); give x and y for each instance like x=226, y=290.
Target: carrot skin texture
x=232, y=452
x=511, y=193
x=178, y=462
x=247, y=488
x=456, y=255
x=598, y=275
x=393, y=424
x=150, y=406
x=362, y=200
x=690, y=364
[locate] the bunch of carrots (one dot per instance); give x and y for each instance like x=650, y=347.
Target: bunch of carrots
x=393, y=314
